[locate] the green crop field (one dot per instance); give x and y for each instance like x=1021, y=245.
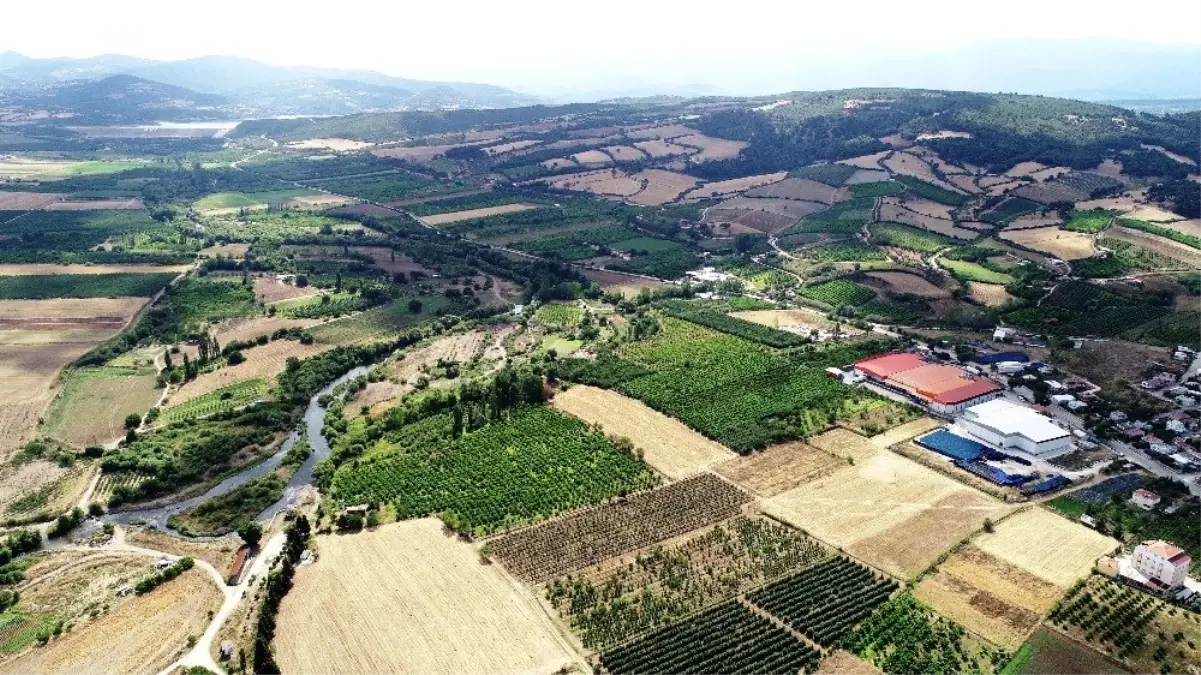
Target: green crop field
x=847, y=217
x=124, y=285
x=1089, y=222
x=384, y=187
x=830, y=174
x=222, y=400
x=735, y=391
x=379, y=321
x=884, y=188
x=842, y=252
x=970, y=271
x=839, y=292
x=559, y=314
x=731, y=325
x=895, y=234
x=1009, y=209
x=236, y=200
x=523, y=469
x=905, y=636
x=1152, y=228
x=932, y=192
x=644, y=244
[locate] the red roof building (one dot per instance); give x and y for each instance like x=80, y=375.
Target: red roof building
x=966, y=392
x=881, y=367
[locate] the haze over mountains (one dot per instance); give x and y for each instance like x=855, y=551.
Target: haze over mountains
x=230, y=86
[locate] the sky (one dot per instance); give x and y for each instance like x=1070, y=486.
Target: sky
x=540, y=46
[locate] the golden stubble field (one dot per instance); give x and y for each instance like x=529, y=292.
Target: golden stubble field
x=1053, y=241
x=887, y=510
x=138, y=634
x=408, y=599
x=38, y=338
x=667, y=444
x=1049, y=546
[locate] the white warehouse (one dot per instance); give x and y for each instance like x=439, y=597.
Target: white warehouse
x=1006, y=425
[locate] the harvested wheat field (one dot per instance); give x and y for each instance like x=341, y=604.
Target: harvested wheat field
x=27, y=201
x=668, y=445
x=664, y=132
x=227, y=250
x=988, y=596
x=871, y=162
x=845, y=444
x=902, y=282
x=801, y=321
x=907, y=164
x=558, y=163
x=615, y=282
x=965, y=182
x=1048, y=546
x=1159, y=245
x=887, y=510
x=592, y=158
x=37, y=339
x=924, y=207
x=470, y=214
x=270, y=289
x=897, y=213
x=734, y=185
x=1053, y=241
x=265, y=362
x=661, y=148
x=139, y=634
x=710, y=148
x=334, y=144
x=408, y=599
x=608, y=182
x=98, y=205
x=765, y=222
x=660, y=187
x=792, y=208
x=989, y=295
x=493, y=150
x=780, y=468
x=49, y=269
x=1024, y=169
x=862, y=176
x=845, y=663
x=624, y=153
x=1048, y=173
x=799, y=188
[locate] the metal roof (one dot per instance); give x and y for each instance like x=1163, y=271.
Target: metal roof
x=1010, y=419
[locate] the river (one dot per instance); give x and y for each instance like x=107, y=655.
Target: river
x=314, y=422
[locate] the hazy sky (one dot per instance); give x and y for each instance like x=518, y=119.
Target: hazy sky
x=536, y=44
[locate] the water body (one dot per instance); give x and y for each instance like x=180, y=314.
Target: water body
x=314, y=421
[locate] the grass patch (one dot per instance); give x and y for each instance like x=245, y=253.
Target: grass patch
x=839, y=292
x=969, y=271
x=559, y=314
x=895, y=234
x=1089, y=222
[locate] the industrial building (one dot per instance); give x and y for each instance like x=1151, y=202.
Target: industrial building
x=1003, y=425
x=944, y=388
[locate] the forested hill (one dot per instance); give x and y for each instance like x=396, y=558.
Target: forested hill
x=789, y=130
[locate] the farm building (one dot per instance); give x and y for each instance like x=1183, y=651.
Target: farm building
x=944, y=388
x=1008, y=425
x=1000, y=357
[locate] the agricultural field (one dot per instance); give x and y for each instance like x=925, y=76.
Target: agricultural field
x=222, y=201
x=559, y=314
x=93, y=403
x=904, y=283
x=990, y=597
x=263, y=363
x=1136, y=629
x=41, y=489
x=379, y=321
x=826, y=601
x=437, y=583
x=664, y=443
x=888, y=511
x=904, y=636
x=562, y=464
x=1049, y=652
x=890, y=234
x=1053, y=241
x=1089, y=222
x=969, y=271
x=989, y=295
x=831, y=174
x=37, y=339
x=541, y=552
x=802, y=321
x=839, y=292
x=842, y=252
x=737, y=392
x=124, y=285
x=780, y=468
x=1048, y=546
x=222, y=399
x=623, y=597
x=137, y=634
x=472, y=214
x=728, y=638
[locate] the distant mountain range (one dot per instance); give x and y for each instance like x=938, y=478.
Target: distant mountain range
x=125, y=89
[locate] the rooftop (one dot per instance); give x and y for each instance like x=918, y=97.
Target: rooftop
x=1168, y=550
x=889, y=364
x=1009, y=418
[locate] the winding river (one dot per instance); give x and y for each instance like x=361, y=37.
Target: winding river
x=314, y=422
